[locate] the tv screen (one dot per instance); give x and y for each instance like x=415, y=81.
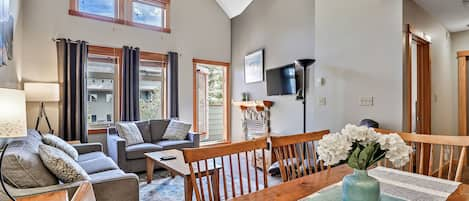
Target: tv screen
x=281, y=81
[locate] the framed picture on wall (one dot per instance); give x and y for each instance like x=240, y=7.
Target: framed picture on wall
x=254, y=67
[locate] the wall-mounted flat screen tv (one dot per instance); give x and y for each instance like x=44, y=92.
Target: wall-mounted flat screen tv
x=281, y=81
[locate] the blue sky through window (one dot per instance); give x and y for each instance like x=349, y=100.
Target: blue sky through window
x=97, y=7
x=147, y=14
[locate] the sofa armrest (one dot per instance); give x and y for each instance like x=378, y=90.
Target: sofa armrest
x=122, y=188
x=116, y=149
x=88, y=147
x=194, y=138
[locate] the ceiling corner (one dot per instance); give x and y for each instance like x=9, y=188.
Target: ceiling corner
x=234, y=8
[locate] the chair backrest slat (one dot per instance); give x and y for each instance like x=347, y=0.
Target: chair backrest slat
x=297, y=154
x=206, y=179
x=435, y=148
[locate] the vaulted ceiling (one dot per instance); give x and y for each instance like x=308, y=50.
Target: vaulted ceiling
x=453, y=14
x=233, y=8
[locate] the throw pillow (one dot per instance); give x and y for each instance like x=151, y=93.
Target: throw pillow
x=177, y=130
x=58, y=143
x=130, y=132
x=23, y=168
x=61, y=165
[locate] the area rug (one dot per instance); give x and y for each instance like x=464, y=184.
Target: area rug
x=166, y=188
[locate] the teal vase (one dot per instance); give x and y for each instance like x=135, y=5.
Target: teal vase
x=360, y=187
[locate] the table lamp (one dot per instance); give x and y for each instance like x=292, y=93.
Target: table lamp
x=42, y=92
x=12, y=121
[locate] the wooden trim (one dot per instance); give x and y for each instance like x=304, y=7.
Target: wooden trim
x=462, y=92
x=209, y=62
x=464, y=53
x=97, y=131
x=73, y=5
x=153, y=56
x=227, y=94
x=408, y=81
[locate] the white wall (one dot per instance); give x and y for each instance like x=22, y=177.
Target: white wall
x=198, y=29
x=285, y=29
x=358, y=46
x=11, y=74
x=443, y=71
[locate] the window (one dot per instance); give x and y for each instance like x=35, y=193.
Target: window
x=104, y=92
x=148, y=14
x=104, y=8
x=152, y=90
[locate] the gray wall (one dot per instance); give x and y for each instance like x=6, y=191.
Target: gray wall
x=286, y=30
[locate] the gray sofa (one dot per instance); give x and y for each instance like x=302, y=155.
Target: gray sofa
x=131, y=158
x=109, y=182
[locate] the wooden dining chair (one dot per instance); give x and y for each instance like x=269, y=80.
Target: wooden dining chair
x=297, y=154
x=449, y=152
x=237, y=172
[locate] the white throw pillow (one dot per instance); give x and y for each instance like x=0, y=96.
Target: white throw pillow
x=177, y=130
x=58, y=143
x=130, y=132
x=61, y=165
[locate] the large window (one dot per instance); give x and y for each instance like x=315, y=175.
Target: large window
x=152, y=89
x=103, y=86
x=149, y=14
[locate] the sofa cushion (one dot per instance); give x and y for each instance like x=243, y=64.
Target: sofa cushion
x=175, y=144
x=177, y=130
x=61, y=164
x=98, y=165
x=107, y=175
x=23, y=168
x=144, y=127
x=158, y=127
x=137, y=151
x=90, y=156
x=130, y=132
x=58, y=143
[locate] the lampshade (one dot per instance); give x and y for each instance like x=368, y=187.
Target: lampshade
x=12, y=113
x=42, y=92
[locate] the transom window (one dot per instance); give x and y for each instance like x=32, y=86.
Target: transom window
x=148, y=14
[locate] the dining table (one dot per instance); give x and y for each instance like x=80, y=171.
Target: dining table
x=305, y=186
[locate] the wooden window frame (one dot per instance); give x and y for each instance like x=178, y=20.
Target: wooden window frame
x=123, y=14
x=117, y=52
x=227, y=102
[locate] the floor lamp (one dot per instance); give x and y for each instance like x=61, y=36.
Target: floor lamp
x=12, y=122
x=304, y=63
x=42, y=93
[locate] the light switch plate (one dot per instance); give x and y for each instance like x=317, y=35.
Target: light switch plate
x=322, y=100
x=366, y=101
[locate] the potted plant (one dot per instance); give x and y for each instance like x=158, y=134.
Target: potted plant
x=361, y=147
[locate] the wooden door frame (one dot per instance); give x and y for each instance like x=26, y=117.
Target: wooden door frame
x=462, y=91
x=424, y=90
x=227, y=98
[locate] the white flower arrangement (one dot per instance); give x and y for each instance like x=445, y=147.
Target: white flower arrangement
x=362, y=147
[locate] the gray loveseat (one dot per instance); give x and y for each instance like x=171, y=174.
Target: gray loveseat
x=109, y=182
x=131, y=158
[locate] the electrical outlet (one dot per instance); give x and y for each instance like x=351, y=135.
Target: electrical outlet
x=322, y=100
x=366, y=101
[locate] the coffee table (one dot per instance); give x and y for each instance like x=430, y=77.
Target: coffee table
x=178, y=167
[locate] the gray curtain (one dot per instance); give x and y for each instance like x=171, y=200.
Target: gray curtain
x=173, y=85
x=130, y=89
x=72, y=59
